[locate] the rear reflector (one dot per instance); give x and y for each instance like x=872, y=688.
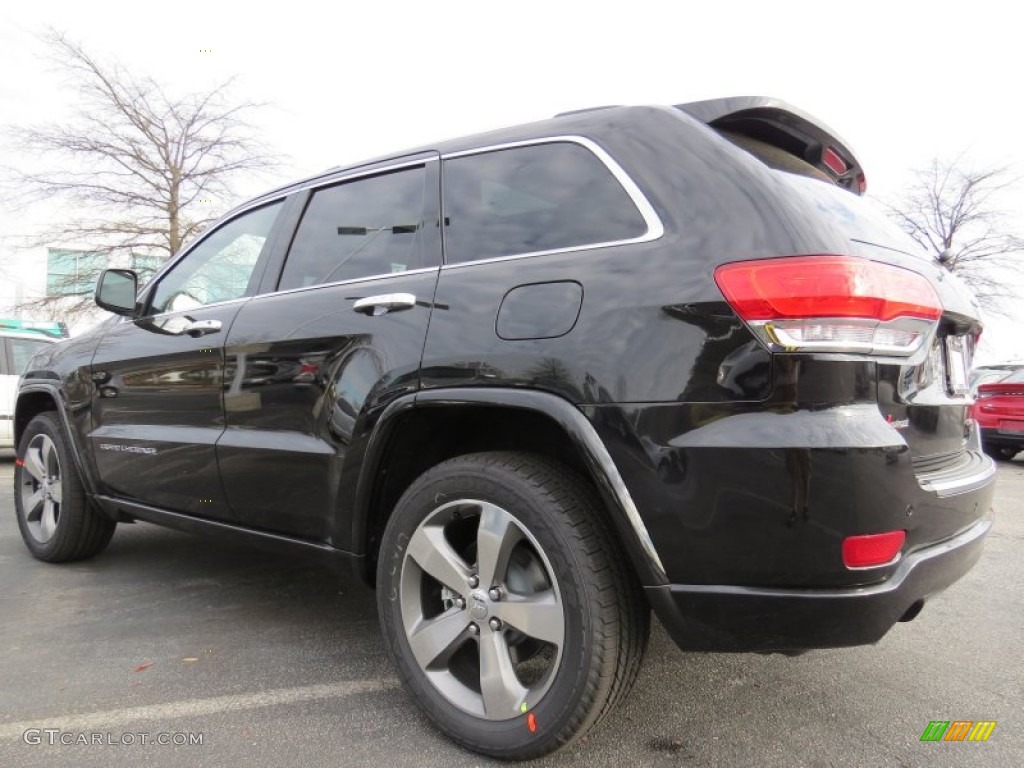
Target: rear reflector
x=832, y=303
x=873, y=549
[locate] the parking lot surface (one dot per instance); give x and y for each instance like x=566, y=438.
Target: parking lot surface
x=268, y=661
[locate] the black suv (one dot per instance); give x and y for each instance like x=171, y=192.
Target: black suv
x=531, y=384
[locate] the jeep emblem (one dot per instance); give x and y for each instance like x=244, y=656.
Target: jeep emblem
x=478, y=607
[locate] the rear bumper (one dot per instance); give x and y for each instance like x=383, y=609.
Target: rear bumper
x=1002, y=438
x=729, y=618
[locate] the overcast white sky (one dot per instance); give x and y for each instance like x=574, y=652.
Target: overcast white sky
x=901, y=82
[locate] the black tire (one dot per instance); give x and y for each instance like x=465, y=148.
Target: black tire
x=1001, y=453
x=560, y=526
x=75, y=530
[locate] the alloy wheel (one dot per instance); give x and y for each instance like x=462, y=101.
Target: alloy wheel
x=481, y=608
x=41, y=488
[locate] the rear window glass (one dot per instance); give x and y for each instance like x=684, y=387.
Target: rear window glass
x=858, y=218
x=541, y=197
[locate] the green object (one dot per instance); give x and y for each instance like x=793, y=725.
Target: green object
x=54, y=330
x=935, y=730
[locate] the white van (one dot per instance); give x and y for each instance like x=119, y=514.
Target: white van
x=16, y=349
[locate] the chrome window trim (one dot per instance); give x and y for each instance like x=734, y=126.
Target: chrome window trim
x=169, y=313
x=380, y=276
x=655, y=229
x=341, y=180
x=175, y=260
x=339, y=174
x=314, y=184
x=321, y=183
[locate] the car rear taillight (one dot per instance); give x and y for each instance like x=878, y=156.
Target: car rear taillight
x=1001, y=389
x=831, y=159
x=873, y=549
x=832, y=304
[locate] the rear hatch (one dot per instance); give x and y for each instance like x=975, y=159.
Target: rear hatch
x=926, y=395
x=923, y=387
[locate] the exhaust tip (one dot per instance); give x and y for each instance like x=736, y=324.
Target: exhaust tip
x=912, y=611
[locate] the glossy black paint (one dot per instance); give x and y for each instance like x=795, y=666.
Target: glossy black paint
x=539, y=311
x=766, y=496
x=304, y=374
x=346, y=565
x=585, y=441
x=59, y=378
x=157, y=413
x=724, y=618
x=781, y=125
x=724, y=468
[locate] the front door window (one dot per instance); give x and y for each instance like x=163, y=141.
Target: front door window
x=220, y=268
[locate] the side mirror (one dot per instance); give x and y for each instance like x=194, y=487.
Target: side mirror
x=116, y=289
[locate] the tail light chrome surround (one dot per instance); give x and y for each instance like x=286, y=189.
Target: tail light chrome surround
x=836, y=304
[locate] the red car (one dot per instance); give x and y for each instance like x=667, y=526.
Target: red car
x=999, y=410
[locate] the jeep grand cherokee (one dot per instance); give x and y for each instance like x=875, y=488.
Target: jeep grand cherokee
x=530, y=385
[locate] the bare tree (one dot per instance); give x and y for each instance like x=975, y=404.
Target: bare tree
x=953, y=211
x=143, y=171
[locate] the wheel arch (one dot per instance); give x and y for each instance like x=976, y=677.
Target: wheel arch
x=444, y=423
x=37, y=398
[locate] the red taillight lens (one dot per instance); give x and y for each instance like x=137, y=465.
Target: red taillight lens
x=834, y=303
x=826, y=286
x=1002, y=390
x=873, y=549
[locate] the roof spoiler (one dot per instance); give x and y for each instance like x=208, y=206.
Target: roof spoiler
x=785, y=127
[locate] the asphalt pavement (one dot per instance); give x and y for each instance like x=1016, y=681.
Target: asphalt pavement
x=268, y=661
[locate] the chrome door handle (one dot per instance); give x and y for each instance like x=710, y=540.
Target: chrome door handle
x=197, y=328
x=384, y=303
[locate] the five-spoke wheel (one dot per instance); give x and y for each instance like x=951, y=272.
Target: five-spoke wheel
x=56, y=519
x=40, y=487
x=507, y=604
x=481, y=609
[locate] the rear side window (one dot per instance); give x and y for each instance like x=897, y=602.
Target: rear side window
x=369, y=226
x=540, y=197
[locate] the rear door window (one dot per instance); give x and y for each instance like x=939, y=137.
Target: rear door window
x=540, y=197
x=361, y=228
